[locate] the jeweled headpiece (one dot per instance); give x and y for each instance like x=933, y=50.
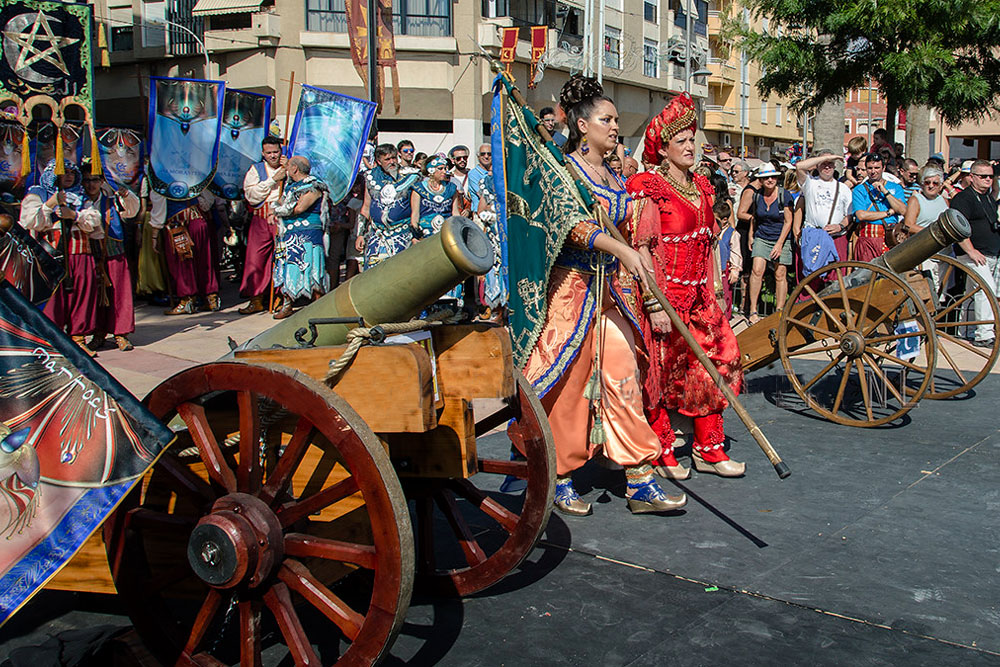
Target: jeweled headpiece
x=676, y=117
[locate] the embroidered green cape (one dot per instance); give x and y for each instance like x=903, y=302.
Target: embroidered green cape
x=542, y=207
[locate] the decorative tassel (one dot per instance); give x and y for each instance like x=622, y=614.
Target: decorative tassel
x=592, y=391
x=95, y=154
x=597, y=434
x=25, y=154
x=60, y=167
x=102, y=45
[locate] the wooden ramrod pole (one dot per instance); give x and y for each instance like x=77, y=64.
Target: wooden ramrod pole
x=780, y=466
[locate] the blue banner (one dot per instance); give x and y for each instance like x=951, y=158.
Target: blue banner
x=331, y=130
x=499, y=177
x=246, y=118
x=122, y=152
x=185, y=118
x=11, y=145
x=73, y=442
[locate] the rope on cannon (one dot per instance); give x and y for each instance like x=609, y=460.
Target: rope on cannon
x=361, y=336
x=356, y=339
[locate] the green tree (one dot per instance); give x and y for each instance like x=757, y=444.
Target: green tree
x=938, y=53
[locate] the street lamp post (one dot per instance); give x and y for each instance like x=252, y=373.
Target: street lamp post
x=201, y=42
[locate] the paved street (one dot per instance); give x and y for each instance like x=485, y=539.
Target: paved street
x=881, y=548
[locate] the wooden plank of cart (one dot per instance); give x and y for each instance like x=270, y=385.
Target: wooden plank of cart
x=862, y=342
x=292, y=512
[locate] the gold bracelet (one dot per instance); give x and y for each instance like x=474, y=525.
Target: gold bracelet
x=654, y=309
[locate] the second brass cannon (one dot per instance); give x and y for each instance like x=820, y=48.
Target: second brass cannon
x=862, y=342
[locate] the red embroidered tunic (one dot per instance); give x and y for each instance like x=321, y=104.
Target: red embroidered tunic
x=678, y=233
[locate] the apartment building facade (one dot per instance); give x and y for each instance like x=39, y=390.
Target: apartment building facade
x=735, y=114
x=639, y=46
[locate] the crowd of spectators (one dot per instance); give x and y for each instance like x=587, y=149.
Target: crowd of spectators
x=790, y=220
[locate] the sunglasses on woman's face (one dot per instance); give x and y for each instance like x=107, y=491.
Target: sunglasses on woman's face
x=932, y=183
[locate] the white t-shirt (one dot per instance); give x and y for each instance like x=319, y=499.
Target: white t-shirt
x=819, y=198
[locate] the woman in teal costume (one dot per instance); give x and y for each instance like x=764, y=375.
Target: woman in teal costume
x=300, y=254
x=433, y=199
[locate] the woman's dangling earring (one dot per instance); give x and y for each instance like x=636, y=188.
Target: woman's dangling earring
x=584, y=148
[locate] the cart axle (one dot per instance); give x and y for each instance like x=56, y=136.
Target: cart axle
x=240, y=541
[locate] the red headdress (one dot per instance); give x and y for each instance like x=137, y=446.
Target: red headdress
x=677, y=116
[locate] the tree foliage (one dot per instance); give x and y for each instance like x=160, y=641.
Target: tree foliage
x=942, y=54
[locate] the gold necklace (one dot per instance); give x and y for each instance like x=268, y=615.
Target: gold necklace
x=688, y=190
x=593, y=170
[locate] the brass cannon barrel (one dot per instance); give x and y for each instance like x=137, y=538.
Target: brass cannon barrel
x=950, y=227
x=394, y=290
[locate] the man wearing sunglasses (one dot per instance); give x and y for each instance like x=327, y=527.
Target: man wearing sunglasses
x=978, y=203
x=482, y=170
x=910, y=177
x=405, y=150
x=459, y=156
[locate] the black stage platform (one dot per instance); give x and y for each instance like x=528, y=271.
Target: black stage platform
x=882, y=548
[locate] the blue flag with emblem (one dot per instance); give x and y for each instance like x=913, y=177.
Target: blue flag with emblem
x=185, y=118
x=331, y=130
x=246, y=119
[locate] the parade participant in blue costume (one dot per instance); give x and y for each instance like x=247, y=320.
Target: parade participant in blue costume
x=387, y=206
x=492, y=290
x=57, y=201
x=188, y=248
x=300, y=255
x=584, y=363
x=115, y=313
x=433, y=199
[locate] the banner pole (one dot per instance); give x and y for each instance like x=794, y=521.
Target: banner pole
x=288, y=108
x=288, y=138
x=373, y=51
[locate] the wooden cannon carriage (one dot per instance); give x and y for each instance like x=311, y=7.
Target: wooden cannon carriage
x=292, y=512
x=861, y=343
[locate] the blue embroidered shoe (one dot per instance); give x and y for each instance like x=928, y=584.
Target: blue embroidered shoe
x=649, y=497
x=568, y=501
x=510, y=483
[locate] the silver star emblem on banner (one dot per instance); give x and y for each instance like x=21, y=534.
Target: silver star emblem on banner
x=39, y=32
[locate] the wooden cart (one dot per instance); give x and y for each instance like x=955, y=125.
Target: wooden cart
x=862, y=343
x=290, y=512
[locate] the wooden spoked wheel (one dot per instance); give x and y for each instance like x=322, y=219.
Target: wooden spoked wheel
x=276, y=518
x=863, y=352
x=961, y=365
x=470, y=535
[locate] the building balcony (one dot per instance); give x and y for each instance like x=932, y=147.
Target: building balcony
x=714, y=23
x=718, y=117
x=723, y=72
x=264, y=30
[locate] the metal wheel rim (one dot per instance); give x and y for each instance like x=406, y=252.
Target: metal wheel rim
x=907, y=399
x=945, y=337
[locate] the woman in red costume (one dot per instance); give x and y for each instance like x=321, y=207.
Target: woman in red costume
x=583, y=365
x=672, y=227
